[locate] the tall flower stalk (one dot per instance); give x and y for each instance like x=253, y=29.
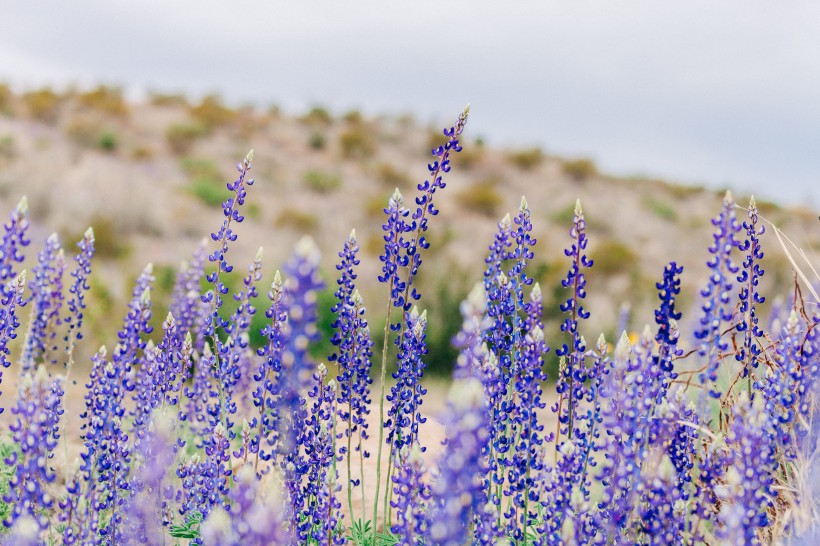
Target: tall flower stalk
x=404, y=254
x=214, y=297
x=354, y=349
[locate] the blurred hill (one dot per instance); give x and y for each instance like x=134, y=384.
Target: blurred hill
x=149, y=177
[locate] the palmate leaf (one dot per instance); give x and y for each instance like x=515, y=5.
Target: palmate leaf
x=189, y=529
x=361, y=533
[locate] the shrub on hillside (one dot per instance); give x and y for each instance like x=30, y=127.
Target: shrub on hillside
x=482, y=197
x=6, y=98
x=42, y=104
x=526, y=160
x=356, y=143
x=580, y=169
x=181, y=137
x=321, y=181
x=107, y=100
x=298, y=220
x=318, y=115
x=211, y=113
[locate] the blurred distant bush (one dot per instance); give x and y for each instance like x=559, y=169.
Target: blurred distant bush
x=468, y=157
x=166, y=99
x=580, y=169
x=181, y=137
x=661, y=209
x=375, y=204
x=318, y=115
x=356, y=143
x=6, y=98
x=209, y=192
x=392, y=177
x=353, y=116
x=206, y=182
x=107, y=100
x=482, y=198
x=298, y=220
x=526, y=159
x=142, y=153
x=109, y=240
x=83, y=131
x=89, y=132
x=108, y=141
x=42, y=104
x=317, y=141
x=611, y=256
x=212, y=113
x=321, y=181
x=8, y=150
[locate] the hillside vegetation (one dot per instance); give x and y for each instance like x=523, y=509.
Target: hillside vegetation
x=150, y=177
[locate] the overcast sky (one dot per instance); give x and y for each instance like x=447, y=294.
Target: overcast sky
x=717, y=93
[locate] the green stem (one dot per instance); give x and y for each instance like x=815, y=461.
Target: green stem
x=381, y=416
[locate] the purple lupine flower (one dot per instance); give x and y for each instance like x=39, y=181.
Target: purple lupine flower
x=471, y=360
x=526, y=456
x=131, y=345
x=424, y=204
x=401, y=252
x=47, y=300
x=746, y=493
x=266, y=440
x=505, y=363
x=665, y=473
x=70, y=514
x=351, y=336
x=572, y=379
x=406, y=396
x=146, y=508
x=160, y=376
x=254, y=517
x=630, y=393
x=458, y=493
x=78, y=290
x=319, y=515
x=666, y=318
x=717, y=293
x=14, y=239
x=411, y=496
x=186, y=301
x=204, y=482
x=649, y=449
x=11, y=297
x=221, y=407
x=301, y=290
x=499, y=338
x=749, y=279
x=198, y=396
x=35, y=432
x=106, y=455
x=236, y=377
x=498, y=251
x=395, y=248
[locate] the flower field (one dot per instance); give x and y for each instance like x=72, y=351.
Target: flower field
x=696, y=430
